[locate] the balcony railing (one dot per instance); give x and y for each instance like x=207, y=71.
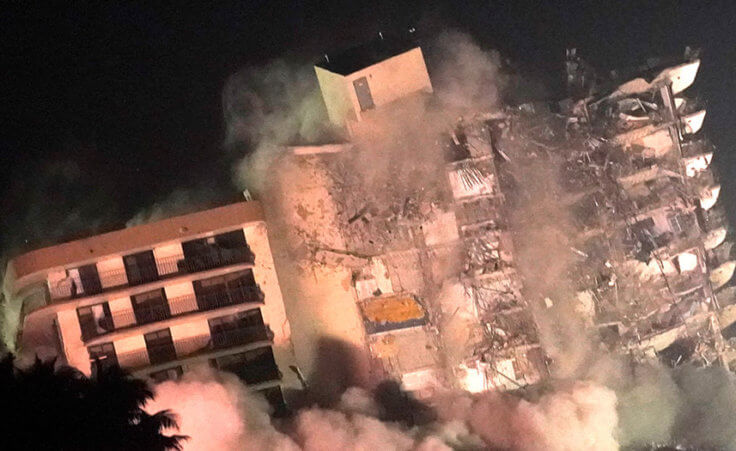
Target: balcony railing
x=230, y=296
x=241, y=336
x=203, y=344
x=163, y=268
x=161, y=353
x=94, y=327
x=133, y=359
x=180, y=305
x=194, y=346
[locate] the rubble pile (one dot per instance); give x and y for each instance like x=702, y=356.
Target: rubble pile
x=650, y=238
x=647, y=262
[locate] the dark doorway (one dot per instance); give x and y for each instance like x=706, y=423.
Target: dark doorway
x=364, y=94
x=151, y=306
x=140, y=267
x=160, y=347
x=90, y=279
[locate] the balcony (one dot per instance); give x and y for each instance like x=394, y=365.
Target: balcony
x=194, y=347
x=161, y=353
x=229, y=296
x=162, y=269
x=133, y=359
x=240, y=336
x=177, y=306
x=92, y=327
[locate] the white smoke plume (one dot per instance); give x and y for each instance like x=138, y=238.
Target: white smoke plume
x=218, y=413
x=269, y=106
x=280, y=103
x=180, y=201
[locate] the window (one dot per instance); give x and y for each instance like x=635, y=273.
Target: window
x=233, y=288
x=363, y=92
x=140, y=267
x=102, y=356
x=160, y=346
x=170, y=374
x=223, y=249
x=241, y=328
x=95, y=320
x=90, y=279
x=151, y=306
x=253, y=367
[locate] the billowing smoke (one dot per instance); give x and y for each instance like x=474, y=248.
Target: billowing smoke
x=280, y=103
x=465, y=76
x=266, y=107
x=218, y=413
x=178, y=202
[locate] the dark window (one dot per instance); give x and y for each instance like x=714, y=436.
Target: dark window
x=253, y=367
x=241, y=328
x=170, y=374
x=365, y=99
x=229, y=289
x=231, y=240
x=140, y=267
x=275, y=398
x=95, y=320
x=102, y=356
x=151, y=306
x=160, y=347
x=219, y=250
x=90, y=279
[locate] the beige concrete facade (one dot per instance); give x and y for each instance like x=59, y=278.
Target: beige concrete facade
x=56, y=326
x=388, y=80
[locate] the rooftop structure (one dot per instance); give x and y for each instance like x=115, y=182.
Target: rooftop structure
x=370, y=76
x=161, y=298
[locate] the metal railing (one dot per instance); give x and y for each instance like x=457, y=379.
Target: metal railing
x=239, y=294
x=193, y=346
x=202, y=344
x=133, y=359
x=162, y=268
x=180, y=305
x=241, y=336
x=161, y=353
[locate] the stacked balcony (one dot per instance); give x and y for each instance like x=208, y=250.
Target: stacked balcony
x=145, y=267
x=243, y=332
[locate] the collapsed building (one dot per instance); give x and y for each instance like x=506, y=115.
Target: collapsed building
x=426, y=260
x=406, y=243
x=431, y=265
x=649, y=235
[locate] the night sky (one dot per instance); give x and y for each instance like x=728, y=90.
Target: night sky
x=109, y=108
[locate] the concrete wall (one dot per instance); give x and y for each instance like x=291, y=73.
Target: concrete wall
x=273, y=311
x=388, y=80
x=393, y=78
x=336, y=95
x=71, y=335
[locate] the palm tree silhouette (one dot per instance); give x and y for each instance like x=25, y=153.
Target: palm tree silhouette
x=56, y=407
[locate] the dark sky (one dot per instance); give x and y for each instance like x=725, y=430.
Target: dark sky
x=109, y=108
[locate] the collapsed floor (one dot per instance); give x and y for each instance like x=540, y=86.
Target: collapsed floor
x=601, y=208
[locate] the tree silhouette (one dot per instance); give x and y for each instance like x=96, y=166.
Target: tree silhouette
x=57, y=407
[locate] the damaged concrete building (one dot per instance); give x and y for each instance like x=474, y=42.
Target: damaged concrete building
x=425, y=244
x=420, y=252
x=652, y=264
x=403, y=220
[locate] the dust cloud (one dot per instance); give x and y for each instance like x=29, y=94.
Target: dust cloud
x=218, y=413
x=596, y=400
